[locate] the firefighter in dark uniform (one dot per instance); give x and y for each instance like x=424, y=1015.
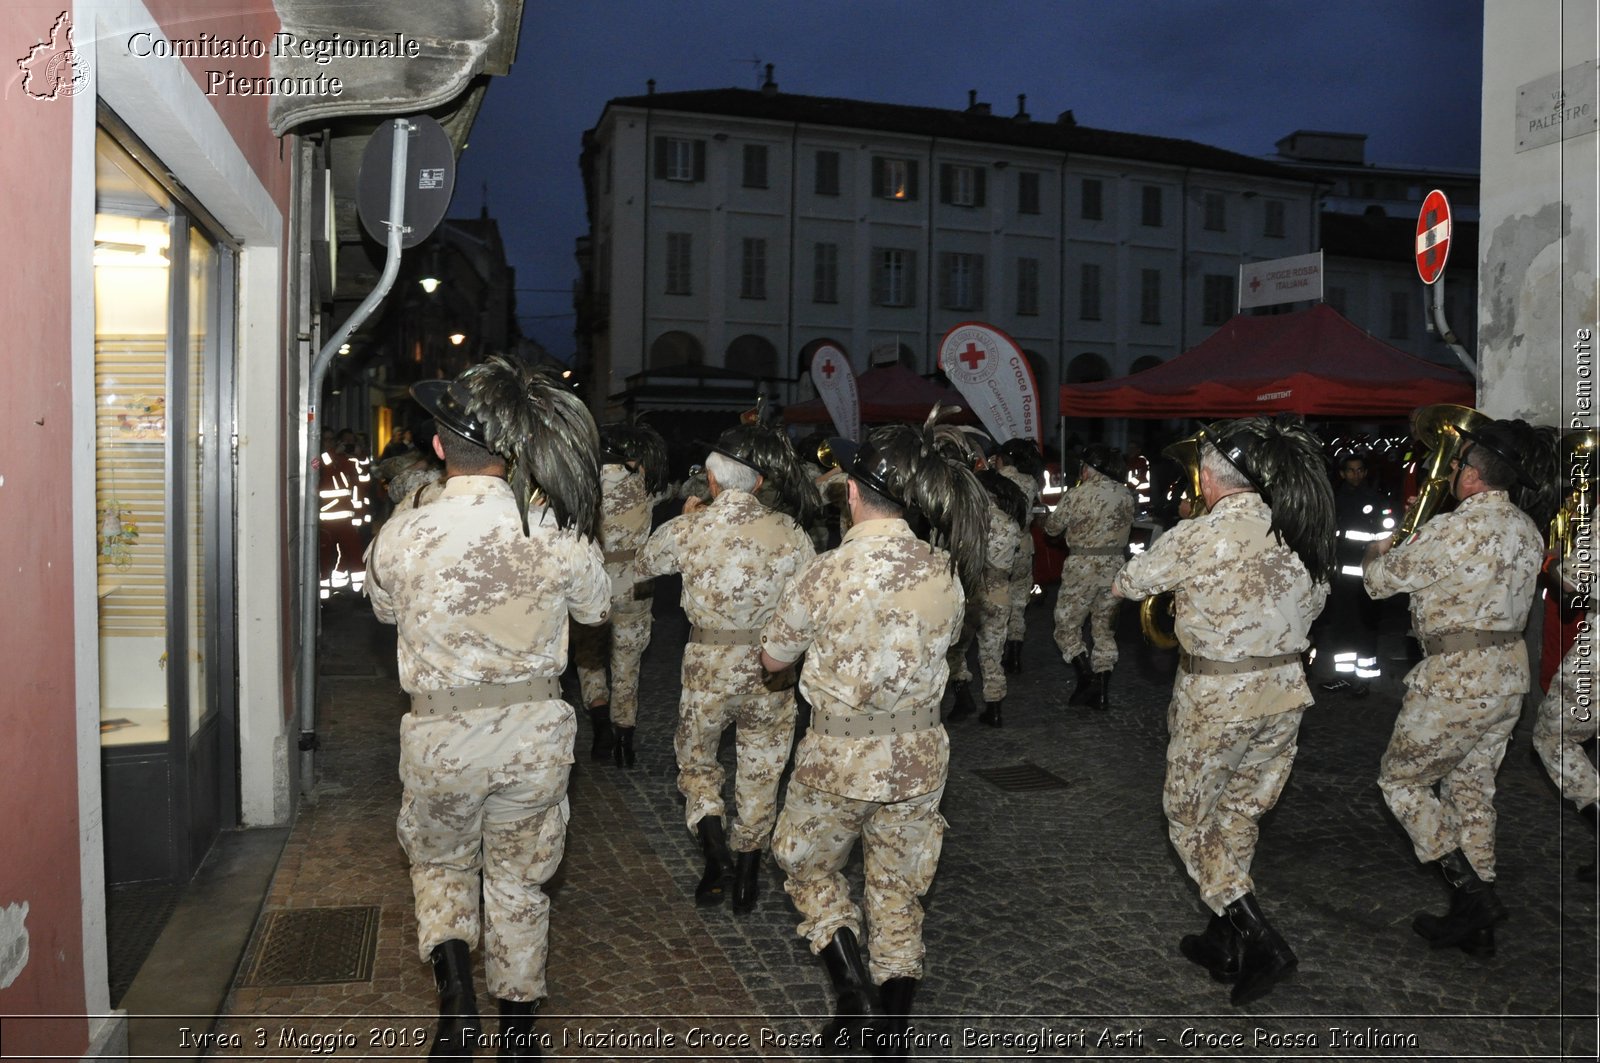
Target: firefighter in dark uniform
x=1347, y=639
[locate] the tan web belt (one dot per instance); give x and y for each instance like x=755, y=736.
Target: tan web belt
x=876, y=724
x=1095, y=551
x=484, y=696
x=1206, y=666
x=614, y=557
x=750, y=636
x=1456, y=641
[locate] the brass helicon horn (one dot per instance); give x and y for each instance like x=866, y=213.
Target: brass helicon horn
x=825, y=456
x=1437, y=427
x=1157, y=613
x=1577, y=466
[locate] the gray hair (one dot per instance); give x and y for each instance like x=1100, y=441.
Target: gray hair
x=731, y=475
x=1223, y=471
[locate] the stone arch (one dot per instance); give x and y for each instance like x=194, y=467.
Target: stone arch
x=1087, y=368
x=675, y=348
x=1146, y=361
x=752, y=354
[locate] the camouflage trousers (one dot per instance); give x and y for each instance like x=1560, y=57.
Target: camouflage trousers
x=1086, y=592
x=994, y=610
x=1456, y=744
x=485, y=791
x=900, y=844
x=1565, y=722
x=1021, y=588
x=762, y=739
x=1222, y=777
x=621, y=644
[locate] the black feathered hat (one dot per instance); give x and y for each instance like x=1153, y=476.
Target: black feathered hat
x=1106, y=460
x=1282, y=460
x=766, y=449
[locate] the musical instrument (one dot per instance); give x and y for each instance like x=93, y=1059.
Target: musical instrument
x=1437, y=427
x=1157, y=614
x=1577, y=467
x=825, y=456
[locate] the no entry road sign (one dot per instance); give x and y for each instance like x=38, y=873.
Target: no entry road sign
x=1433, y=236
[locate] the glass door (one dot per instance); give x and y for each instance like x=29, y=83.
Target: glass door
x=164, y=511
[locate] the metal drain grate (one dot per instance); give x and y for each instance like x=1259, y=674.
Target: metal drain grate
x=313, y=946
x=1022, y=778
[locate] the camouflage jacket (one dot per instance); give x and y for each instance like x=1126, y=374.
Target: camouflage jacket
x=1472, y=569
x=874, y=619
x=1098, y=512
x=736, y=556
x=474, y=599
x=1239, y=593
x=624, y=523
x=1029, y=485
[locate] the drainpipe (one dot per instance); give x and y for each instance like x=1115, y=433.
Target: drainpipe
x=309, y=553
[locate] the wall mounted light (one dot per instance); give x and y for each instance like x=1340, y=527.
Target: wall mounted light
x=429, y=284
x=458, y=338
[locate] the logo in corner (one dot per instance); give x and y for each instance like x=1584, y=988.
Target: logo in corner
x=54, y=68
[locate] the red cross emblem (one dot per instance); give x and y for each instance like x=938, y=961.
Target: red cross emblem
x=1255, y=283
x=827, y=369
x=972, y=356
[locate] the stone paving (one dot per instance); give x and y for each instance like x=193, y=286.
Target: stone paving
x=1052, y=927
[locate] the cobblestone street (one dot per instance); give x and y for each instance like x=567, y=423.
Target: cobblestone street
x=1051, y=930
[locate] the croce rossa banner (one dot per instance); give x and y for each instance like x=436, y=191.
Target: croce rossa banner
x=989, y=370
x=836, y=386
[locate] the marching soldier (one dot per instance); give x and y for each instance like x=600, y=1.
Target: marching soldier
x=874, y=619
x=481, y=583
x=1567, y=721
x=736, y=556
x=633, y=475
x=1021, y=463
x=1096, y=517
x=1471, y=575
x=1249, y=576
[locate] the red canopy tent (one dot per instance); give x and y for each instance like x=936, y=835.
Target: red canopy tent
x=1312, y=362
x=887, y=393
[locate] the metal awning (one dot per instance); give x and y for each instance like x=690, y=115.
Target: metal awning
x=409, y=55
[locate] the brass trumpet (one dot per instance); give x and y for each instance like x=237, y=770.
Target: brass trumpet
x=1439, y=428
x=1577, y=466
x=1157, y=614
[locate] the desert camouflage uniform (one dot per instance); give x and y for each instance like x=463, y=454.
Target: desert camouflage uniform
x=418, y=485
x=1566, y=721
x=874, y=618
x=1472, y=569
x=478, y=603
x=1022, y=567
x=736, y=556
x=1240, y=594
x=1095, y=516
x=987, y=621
x=624, y=526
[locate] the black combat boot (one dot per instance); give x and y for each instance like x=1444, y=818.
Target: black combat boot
x=964, y=706
x=719, y=862
x=746, y=880
x=1102, y=692
x=1217, y=948
x=855, y=1012
x=457, y=1032
x=1083, y=693
x=1264, y=957
x=517, y=1041
x=1011, y=660
x=991, y=713
x=600, y=720
x=1586, y=872
x=623, y=749
x=895, y=998
x=1473, y=906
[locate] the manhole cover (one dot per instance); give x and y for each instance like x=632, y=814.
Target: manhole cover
x=1022, y=778
x=313, y=946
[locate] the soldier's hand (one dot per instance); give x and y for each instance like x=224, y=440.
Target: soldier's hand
x=692, y=503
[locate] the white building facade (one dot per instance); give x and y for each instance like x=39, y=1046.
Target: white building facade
x=739, y=228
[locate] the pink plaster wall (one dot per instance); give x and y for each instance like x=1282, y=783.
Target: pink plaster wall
x=38, y=758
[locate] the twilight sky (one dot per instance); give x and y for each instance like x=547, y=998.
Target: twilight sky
x=1237, y=74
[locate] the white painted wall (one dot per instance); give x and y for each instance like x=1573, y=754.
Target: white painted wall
x=1538, y=255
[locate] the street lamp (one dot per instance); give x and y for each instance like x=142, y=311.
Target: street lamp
x=429, y=284
x=458, y=338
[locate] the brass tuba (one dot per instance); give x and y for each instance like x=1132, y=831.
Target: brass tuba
x=1437, y=427
x=1157, y=613
x=1577, y=468
x=825, y=456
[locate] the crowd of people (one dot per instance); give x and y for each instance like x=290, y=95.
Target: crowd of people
x=536, y=536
